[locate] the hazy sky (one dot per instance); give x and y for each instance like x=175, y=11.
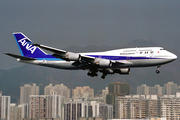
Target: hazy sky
x=62, y=23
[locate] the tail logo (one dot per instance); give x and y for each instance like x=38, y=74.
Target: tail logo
x=28, y=47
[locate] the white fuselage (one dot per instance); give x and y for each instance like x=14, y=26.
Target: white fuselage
x=130, y=57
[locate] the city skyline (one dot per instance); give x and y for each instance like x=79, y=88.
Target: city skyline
x=171, y=89
x=125, y=105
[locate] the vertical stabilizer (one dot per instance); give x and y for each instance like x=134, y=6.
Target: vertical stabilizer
x=26, y=48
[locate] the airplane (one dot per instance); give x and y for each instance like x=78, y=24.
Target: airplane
x=108, y=62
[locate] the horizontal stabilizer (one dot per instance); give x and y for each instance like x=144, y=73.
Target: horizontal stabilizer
x=20, y=57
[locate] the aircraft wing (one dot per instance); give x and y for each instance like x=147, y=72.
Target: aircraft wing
x=55, y=50
x=70, y=56
x=66, y=55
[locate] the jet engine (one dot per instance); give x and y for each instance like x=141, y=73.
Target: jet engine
x=122, y=71
x=72, y=56
x=104, y=63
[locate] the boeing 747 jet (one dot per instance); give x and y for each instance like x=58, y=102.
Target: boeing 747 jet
x=108, y=62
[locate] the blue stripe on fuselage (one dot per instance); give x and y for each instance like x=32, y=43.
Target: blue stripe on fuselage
x=50, y=57
x=45, y=57
x=54, y=59
x=121, y=57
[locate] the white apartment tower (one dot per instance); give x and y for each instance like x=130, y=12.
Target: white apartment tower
x=73, y=110
x=105, y=92
x=45, y=106
x=22, y=111
x=47, y=89
x=170, y=88
x=143, y=90
x=58, y=89
x=137, y=107
x=103, y=110
x=27, y=90
x=156, y=90
x=13, y=113
x=5, y=107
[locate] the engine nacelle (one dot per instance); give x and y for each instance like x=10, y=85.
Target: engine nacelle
x=122, y=71
x=72, y=56
x=108, y=71
x=105, y=63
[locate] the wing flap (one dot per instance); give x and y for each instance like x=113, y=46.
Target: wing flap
x=20, y=57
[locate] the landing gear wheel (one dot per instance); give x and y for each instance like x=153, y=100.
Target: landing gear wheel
x=89, y=74
x=102, y=77
x=157, y=71
x=92, y=73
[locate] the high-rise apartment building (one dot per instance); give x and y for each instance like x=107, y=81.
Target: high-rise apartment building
x=13, y=111
x=22, y=111
x=156, y=90
x=116, y=89
x=47, y=89
x=103, y=110
x=170, y=106
x=84, y=91
x=74, y=110
x=137, y=107
x=143, y=90
x=143, y=106
x=27, y=90
x=46, y=106
x=58, y=89
x=5, y=107
x=170, y=88
x=105, y=92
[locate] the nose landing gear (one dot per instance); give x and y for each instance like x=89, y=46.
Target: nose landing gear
x=157, y=71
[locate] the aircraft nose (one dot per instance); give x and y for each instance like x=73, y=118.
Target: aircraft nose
x=173, y=56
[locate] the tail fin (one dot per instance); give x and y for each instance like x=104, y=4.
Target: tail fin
x=26, y=48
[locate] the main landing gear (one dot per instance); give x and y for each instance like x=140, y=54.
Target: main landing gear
x=157, y=71
x=94, y=74
x=103, y=76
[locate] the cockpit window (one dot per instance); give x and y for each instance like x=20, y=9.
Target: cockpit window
x=162, y=49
